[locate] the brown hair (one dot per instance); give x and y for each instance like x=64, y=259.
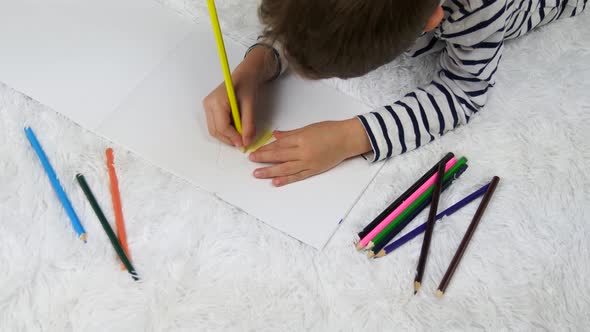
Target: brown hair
x=343, y=38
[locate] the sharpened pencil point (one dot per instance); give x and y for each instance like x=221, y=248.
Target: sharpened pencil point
x=381, y=254
x=359, y=246
x=370, y=246
x=84, y=237
x=439, y=293
x=416, y=286
x=371, y=254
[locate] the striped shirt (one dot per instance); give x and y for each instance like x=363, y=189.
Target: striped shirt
x=470, y=39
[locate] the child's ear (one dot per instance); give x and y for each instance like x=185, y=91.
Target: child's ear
x=435, y=19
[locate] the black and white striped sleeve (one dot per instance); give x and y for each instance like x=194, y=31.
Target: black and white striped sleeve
x=459, y=90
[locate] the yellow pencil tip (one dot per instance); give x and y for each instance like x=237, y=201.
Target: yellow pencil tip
x=416, y=286
x=84, y=237
x=359, y=246
x=439, y=293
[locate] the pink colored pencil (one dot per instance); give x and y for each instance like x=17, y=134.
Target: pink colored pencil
x=364, y=241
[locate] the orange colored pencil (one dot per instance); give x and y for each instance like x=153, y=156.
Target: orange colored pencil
x=116, y=196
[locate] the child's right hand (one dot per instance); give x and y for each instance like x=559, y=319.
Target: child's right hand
x=219, y=116
x=248, y=77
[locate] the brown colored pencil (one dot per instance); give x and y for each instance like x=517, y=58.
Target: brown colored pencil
x=467, y=237
x=429, y=227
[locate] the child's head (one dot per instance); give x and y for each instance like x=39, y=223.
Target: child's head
x=345, y=38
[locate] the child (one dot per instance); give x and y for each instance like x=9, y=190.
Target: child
x=344, y=39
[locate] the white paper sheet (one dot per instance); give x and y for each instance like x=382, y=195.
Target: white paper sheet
x=136, y=73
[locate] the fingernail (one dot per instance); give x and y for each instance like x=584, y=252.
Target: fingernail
x=277, y=183
x=258, y=173
x=252, y=157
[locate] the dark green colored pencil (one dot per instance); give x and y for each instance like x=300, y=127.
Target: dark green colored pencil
x=105, y=224
x=403, y=197
x=427, y=194
x=381, y=244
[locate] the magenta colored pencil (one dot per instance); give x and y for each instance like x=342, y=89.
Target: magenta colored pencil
x=365, y=241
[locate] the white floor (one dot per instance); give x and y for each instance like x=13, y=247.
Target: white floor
x=207, y=266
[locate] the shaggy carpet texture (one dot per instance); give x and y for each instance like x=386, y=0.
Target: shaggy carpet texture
x=207, y=266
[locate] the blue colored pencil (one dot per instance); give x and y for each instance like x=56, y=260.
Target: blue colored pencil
x=55, y=183
x=420, y=229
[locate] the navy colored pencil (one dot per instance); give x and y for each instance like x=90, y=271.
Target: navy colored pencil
x=414, y=214
x=420, y=229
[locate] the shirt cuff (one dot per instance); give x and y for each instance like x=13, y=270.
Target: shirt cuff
x=369, y=123
x=277, y=51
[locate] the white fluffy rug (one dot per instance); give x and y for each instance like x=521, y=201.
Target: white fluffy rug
x=206, y=266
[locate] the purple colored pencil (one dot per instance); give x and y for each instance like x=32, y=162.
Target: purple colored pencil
x=420, y=229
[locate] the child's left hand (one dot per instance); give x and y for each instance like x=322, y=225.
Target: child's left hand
x=310, y=150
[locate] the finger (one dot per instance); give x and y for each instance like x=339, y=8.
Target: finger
x=247, y=117
x=284, y=143
x=284, y=169
x=212, y=109
x=224, y=128
x=224, y=140
x=278, y=134
x=274, y=156
x=210, y=123
x=212, y=131
x=285, y=180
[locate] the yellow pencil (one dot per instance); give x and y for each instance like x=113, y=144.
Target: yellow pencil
x=225, y=66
